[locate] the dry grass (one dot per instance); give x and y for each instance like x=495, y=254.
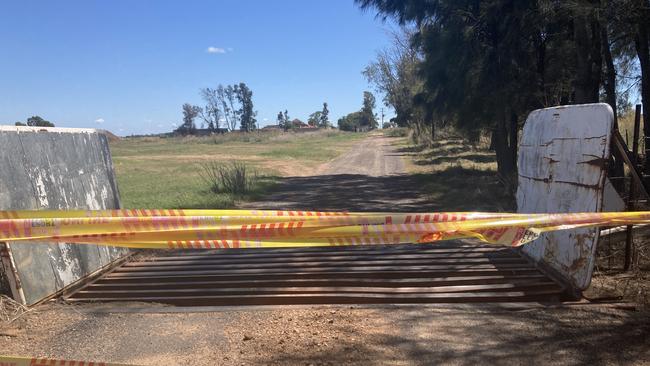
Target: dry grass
x=10, y=310
x=450, y=153
x=458, y=175
x=611, y=282
x=626, y=126
x=396, y=132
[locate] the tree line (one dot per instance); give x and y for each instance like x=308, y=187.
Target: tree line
x=483, y=65
x=362, y=120
x=231, y=105
x=318, y=119
x=35, y=121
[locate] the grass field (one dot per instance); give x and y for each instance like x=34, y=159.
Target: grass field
x=155, y=172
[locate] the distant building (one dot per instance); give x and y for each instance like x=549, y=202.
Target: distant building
x=296, y=123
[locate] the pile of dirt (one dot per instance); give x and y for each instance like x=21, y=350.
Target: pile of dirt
x=109, y=135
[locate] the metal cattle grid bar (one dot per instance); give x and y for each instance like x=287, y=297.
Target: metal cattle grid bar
x=447, y=272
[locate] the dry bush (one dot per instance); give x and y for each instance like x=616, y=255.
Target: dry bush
x=420, y=135
x=10, y=310
x=235, y=178
x=611, y=282
x=238, y=136
x=396, y=132
x=626, y=126
x=292, y=135
x=145, y=139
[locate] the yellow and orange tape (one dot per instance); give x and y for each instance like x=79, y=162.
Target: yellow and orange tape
x=25, y=361
x=203, y=229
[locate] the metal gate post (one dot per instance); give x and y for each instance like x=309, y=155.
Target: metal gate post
x=12, y=273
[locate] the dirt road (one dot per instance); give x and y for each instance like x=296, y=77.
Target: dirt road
x=373, y=157
x=365, y=179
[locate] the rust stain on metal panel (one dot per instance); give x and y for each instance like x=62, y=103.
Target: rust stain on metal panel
x=592, y=186
x=597, y=161
x=582, y=243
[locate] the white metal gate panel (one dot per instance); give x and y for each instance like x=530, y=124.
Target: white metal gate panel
x=562, y=168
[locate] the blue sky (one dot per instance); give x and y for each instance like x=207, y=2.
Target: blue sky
x=128, y=66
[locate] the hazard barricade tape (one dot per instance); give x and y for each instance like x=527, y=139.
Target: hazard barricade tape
x=201, y=229
x=25, y=361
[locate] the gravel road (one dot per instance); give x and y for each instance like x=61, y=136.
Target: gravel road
x=368, y=178
x=336, y=335
x=373, y=157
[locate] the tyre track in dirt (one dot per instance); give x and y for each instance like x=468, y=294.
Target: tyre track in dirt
x=375, y=157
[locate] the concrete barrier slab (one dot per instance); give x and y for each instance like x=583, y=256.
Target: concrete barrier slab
x=55, y=168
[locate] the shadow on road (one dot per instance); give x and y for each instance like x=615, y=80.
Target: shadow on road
x=454, y=189
x=576, y=337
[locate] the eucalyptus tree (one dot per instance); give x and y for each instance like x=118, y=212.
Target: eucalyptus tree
x=245, y=112
x=211, y=113
x=324, y=116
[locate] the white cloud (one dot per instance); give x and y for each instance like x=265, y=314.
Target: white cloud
x=212, y=49
x=99, y=120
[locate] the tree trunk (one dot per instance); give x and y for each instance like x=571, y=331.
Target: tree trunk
x=596, y=60
x=433, y=131
x=493, y=139
x=505, y=164
x=581, y=84
x=643, y=52
x=617, y=168
x=417, y=133
x=514, y=137
x=588, y=60
x=541, y=70
x=610, y=74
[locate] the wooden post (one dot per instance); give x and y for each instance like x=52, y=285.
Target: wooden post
x=620, y=147
x=629, y=240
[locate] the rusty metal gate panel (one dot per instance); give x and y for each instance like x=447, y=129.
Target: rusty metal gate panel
x=562, y=168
